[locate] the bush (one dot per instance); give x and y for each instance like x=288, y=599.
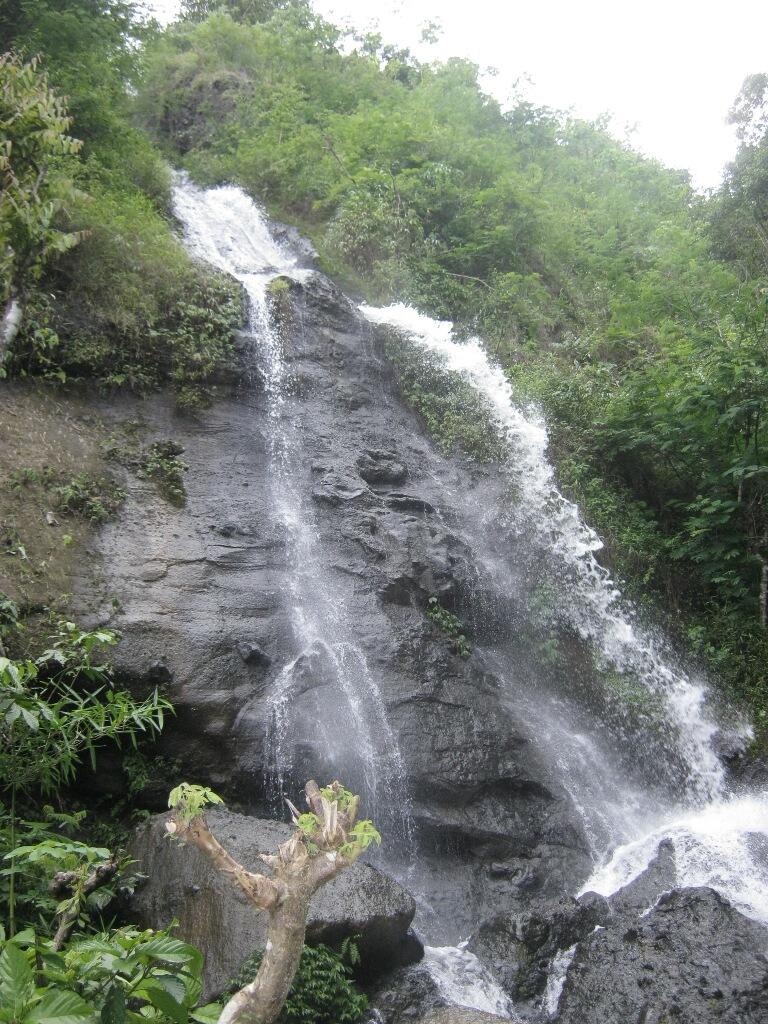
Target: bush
x=322, y=990
x=163, y=465
x=450, y=625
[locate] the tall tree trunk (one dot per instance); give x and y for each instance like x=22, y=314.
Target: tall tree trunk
x=10, y=325
x=261, y=1001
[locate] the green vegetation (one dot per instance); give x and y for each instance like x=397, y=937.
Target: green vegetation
x=322, y=992
x=94, y=500
x=58, y=959
x=453, y=412
x=450, y=625
x=124, y=306
x=35, y=153
x=163, y=465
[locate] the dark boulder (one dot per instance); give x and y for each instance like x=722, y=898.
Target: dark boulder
x=406, y=994
x=215, y=916
x=519, y=947
x=692, y=959
x=377, y=466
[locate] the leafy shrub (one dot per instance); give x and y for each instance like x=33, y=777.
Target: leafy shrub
x=96, y=500
x=450, y=625
x=163, y=465
x=453, y=411
x=123, y=975
x=322, y=991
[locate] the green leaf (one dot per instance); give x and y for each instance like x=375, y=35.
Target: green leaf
x=17, y=982
x=163, y=947
x=208, y=1014
x=60, y=1007
x=165, y=1002
x=113, y=1010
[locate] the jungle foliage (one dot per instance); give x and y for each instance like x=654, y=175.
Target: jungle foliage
x=62, y=956
x=85, y=234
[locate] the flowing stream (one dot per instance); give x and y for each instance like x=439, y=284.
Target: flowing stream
x=717, y=835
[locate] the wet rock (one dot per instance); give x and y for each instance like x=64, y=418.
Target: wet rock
x=322, y=300
x=409, y=503
x=480, y=789
x=692, y=959
x=642, y=892
x=214, y=915
x=335, y=488
x=407, y=994
x=291, y=239
x=253, y=654
x=518, y=948
x=378, y=466
x=152, y=571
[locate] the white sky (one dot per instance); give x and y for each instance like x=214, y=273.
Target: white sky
x=668, y=69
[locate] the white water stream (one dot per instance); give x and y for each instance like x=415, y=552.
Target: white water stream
x=464, y=981
x=225, y=228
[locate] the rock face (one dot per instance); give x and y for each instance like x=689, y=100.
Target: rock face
x=215, y=916
x=208, y=596
x=284, y=611
x=519, y=948
x=408, y=994
x=651, y=952
x=692, y=959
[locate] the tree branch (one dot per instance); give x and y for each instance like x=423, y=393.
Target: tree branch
x=265, y=893
x=67, y=883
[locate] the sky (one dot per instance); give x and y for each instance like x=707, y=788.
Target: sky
x=667, y=72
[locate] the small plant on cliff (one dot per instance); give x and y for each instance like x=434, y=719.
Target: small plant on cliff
x=450, y=625
x=92, y=499
x=328, y=838
x=163, y=465
x=454, y=413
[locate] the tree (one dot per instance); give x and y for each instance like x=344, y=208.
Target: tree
x=328, y=838
x=34, y=150
x=247, y=11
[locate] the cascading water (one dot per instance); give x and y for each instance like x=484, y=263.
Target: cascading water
x=714, y=831
x=463, y=981
x=716, y=835
x=225, y=228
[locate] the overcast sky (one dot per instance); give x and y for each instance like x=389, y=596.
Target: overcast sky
x=668, y=69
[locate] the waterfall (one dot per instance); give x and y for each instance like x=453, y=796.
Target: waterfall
x=713, y=830
x=226, y=229
x=717, y=835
